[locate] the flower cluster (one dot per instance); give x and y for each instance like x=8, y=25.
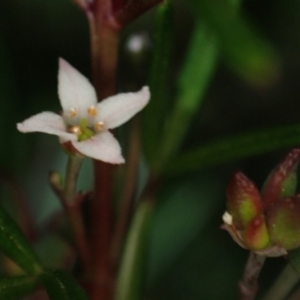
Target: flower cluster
x=84, y=122
x=267, y=222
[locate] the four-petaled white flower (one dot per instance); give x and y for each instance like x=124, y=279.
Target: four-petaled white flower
x=84, y=122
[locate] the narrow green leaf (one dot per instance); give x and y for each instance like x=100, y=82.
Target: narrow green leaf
x=62, y=286
x=193, y=82
x=15, y=288
x=245, y=50
x=155, y=112
x=233, y=148
x=14, y=245
x=131, y=274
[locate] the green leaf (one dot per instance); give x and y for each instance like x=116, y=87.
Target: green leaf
x=15, y=288
x=244, y=49
x=193, y=82
x=155, y=112
x=62, y=286
x=131, y=274
x=14, y=245
x=233, y=148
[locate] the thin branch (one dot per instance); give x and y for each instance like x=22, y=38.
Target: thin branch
x=132, y=10
x=127, y=196
x=118, y=4
x=104, y=36
x=248, y=285
x=104, y=39
x=71, y=202
x=101, y=232
x=72, y=173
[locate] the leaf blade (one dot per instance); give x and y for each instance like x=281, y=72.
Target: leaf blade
x=14, y=245
x=154, y=113
x=193, y=81
x=131, y=274
x=16, y=287
x=62, y=286
x=236, y=147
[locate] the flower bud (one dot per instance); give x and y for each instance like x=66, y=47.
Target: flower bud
x=243, y=200
x=283, y=221
x=255, y=236
x=282, y=181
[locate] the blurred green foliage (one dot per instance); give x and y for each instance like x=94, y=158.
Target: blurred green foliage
x=16, y=287
x=255, y=86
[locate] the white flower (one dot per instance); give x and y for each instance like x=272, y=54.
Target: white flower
x=85, y=122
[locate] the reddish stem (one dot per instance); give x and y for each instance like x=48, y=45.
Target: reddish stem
x=118, y=4
x=101, y=230
x=248, y=285
x=104, y=49
x=71, y=201
x=133, y=9
x=104, y=32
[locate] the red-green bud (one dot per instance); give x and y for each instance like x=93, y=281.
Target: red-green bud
x=283, y=221
x=282, y=181
x=255, y=236
x=243, y=200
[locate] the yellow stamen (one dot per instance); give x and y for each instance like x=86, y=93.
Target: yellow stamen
x=99, y=126
x=75, y=129
x=73, y=112
x=92, y=111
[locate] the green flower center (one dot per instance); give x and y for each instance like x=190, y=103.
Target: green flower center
x=86, y=133
x=82, y=131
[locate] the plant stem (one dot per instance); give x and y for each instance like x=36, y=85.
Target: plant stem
x=71, y=201
x=72, y=173
x=101, y=231
x=132, y=9
x=104, y=35
x=104, y=52
x=248, y=285
x=284, y=283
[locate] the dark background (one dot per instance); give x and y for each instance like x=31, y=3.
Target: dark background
x=190, y=257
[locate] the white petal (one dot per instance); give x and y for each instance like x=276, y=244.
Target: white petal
x=74, y=90
x=103, y=147
x=116, y=110
x=227, y=218
x=46, y=122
